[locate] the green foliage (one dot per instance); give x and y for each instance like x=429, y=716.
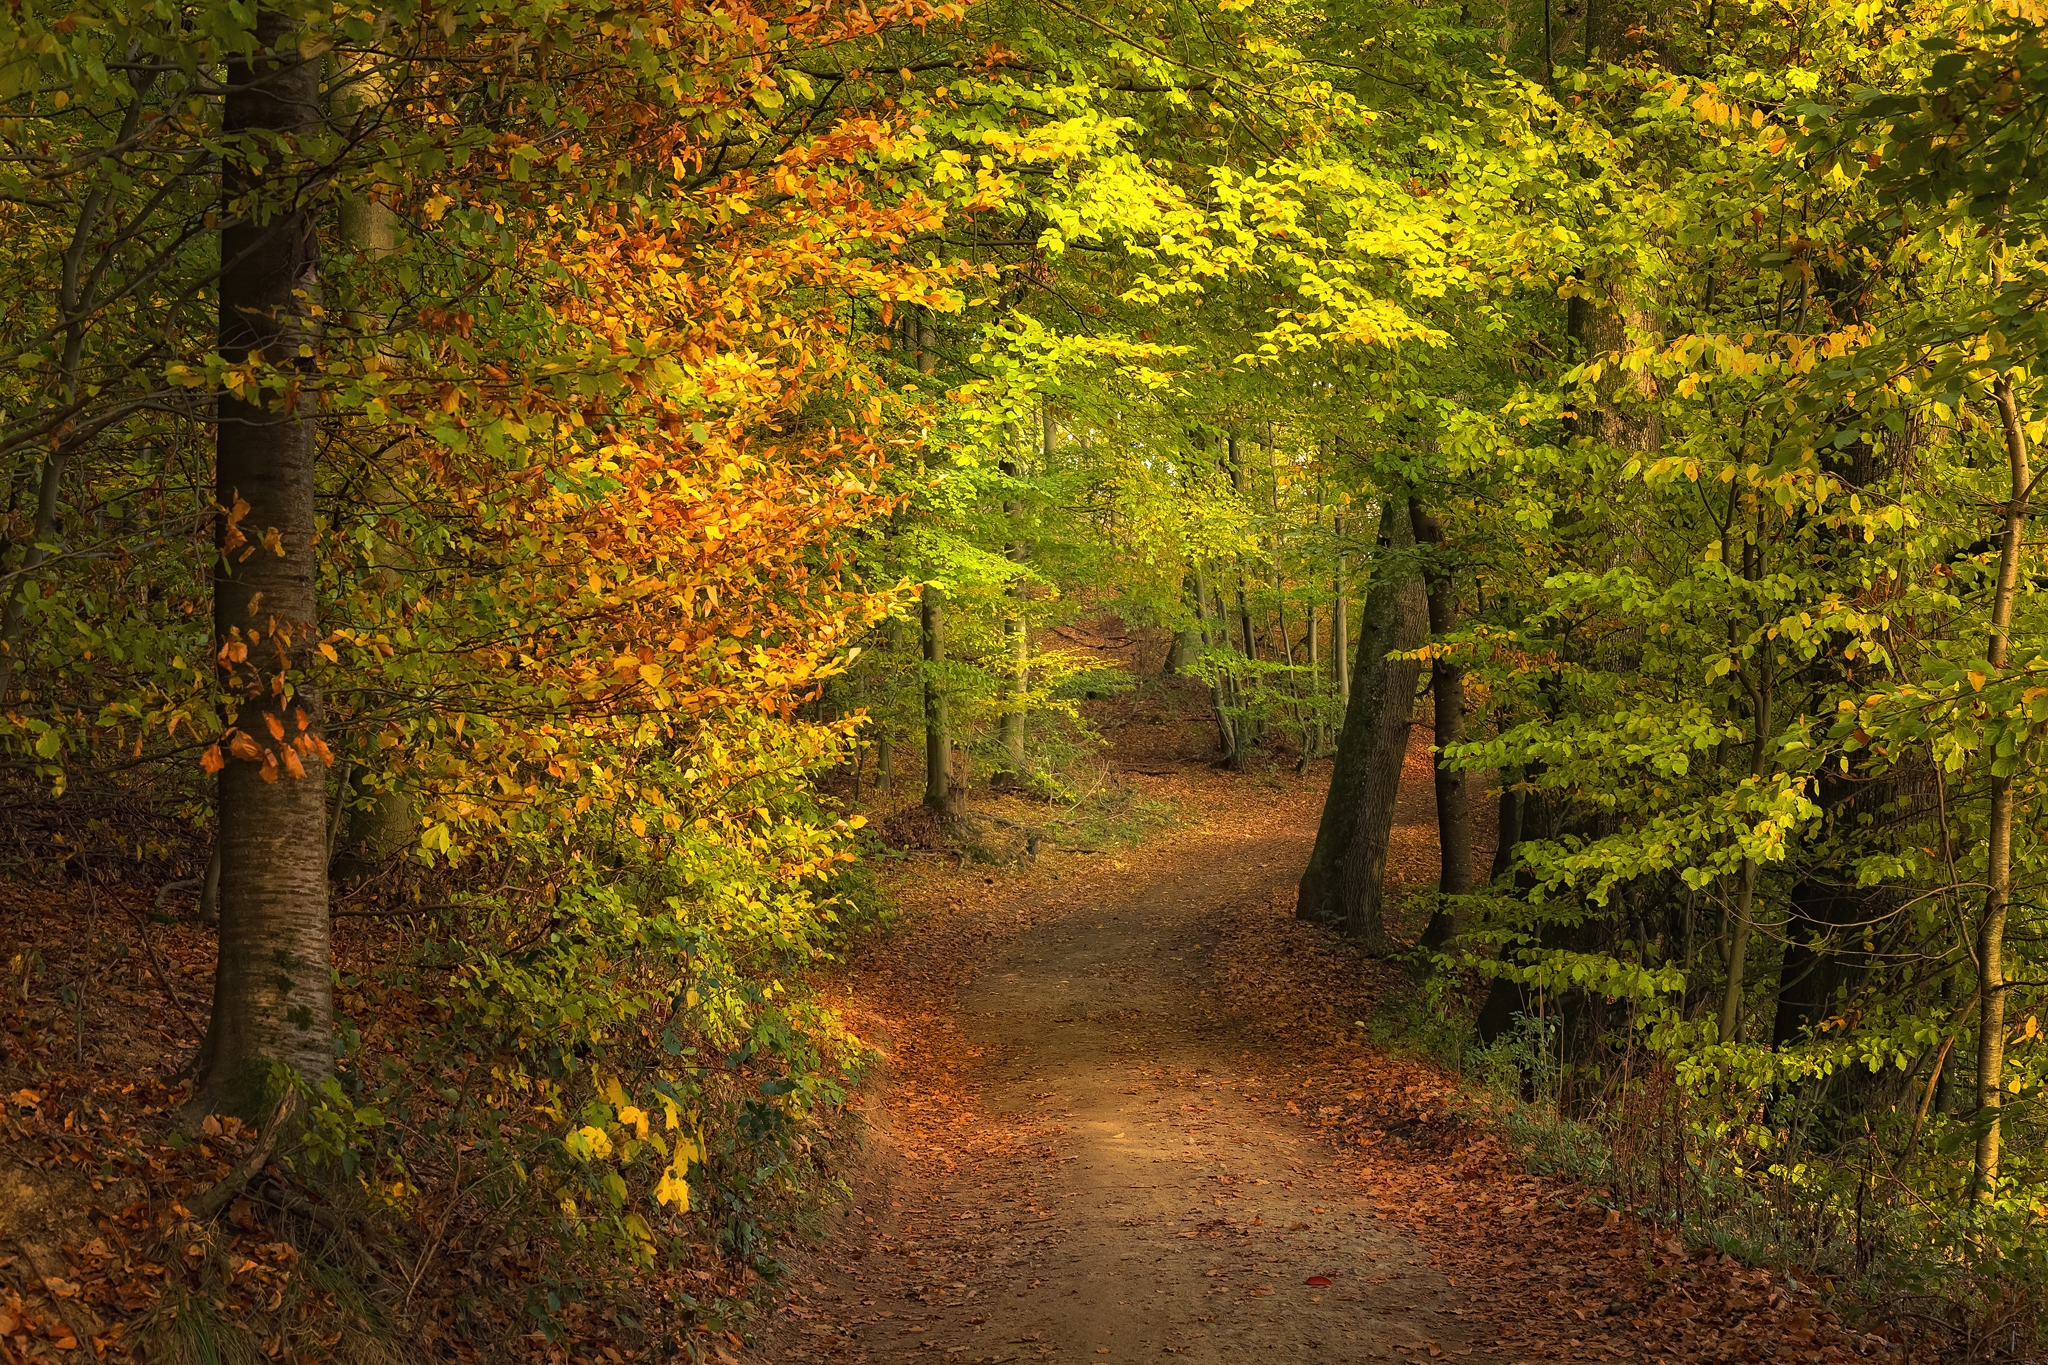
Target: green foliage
x=700, y=347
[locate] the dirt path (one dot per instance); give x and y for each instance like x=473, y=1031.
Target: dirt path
x=1108, y=1168
x=1125, y=1115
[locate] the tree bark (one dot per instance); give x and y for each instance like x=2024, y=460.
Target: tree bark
x=1742, y=918
x=1998, y=836
x=938, y=738
x=1529, y=818
x=1447, y=702
x=1219, y=694
x=272, y=1004
x=1340, y=621
x=387, y=823
x=1816, y=964
x=1509, y=829
x=1342, y=884
x=1019, y=634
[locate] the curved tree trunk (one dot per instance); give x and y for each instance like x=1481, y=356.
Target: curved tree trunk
x=1998, y=834
x=272, y=1003
x=1342, y=883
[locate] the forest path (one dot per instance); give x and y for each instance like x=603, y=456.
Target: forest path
x=1083, y=1151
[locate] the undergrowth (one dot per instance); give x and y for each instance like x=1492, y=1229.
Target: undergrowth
x=1769, y=1178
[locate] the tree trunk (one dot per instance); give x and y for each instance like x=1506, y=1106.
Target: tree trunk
x=1018, y=633
x=1447, y=702
x=272, y=1004
x=1816, y=965
x=1219, y=695
x=938, y=737
x=77, y=305
x=1530, y=818
x=1342, y=882
x=1020, y=683
x=387, y=822
x=1340, y=622
x=1508, y=831
x=1741, y=920
x=1998, y=836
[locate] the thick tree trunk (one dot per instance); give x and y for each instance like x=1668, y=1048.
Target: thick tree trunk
x=1179, y=652
x=272, y=1004
x=1509, y=828
x=938, y=736
x=1816, y=964
x=1447, y=702
x=1342, y=884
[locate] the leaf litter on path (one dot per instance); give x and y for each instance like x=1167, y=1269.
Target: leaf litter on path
x=1124, y=1113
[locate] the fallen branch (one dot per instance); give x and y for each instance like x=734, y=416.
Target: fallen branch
x=212, y=1200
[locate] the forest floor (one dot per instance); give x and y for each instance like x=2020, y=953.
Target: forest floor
x=1128, y=1112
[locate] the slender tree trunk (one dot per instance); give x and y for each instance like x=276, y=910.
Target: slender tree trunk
x=885, y=741
x=1342, y=884
x=1020, y=685
x=1447, y=701
x=1340, y=621
x=1244, y=617
x=1219, y=695
x=1018, y=633
x=1531, y=818
x=76, y=306
x=387, y=823
x=1301, y=717
x=1301, y=720
x=1742, y=917
x=1730, y=1022
x=1315, y=674
x=1998, y=837
x=272, y=1005
x=938, y=738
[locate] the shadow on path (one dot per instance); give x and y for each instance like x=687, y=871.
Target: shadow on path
x=1138, y=1191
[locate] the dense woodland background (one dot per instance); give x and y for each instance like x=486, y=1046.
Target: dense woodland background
x=497, y=494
